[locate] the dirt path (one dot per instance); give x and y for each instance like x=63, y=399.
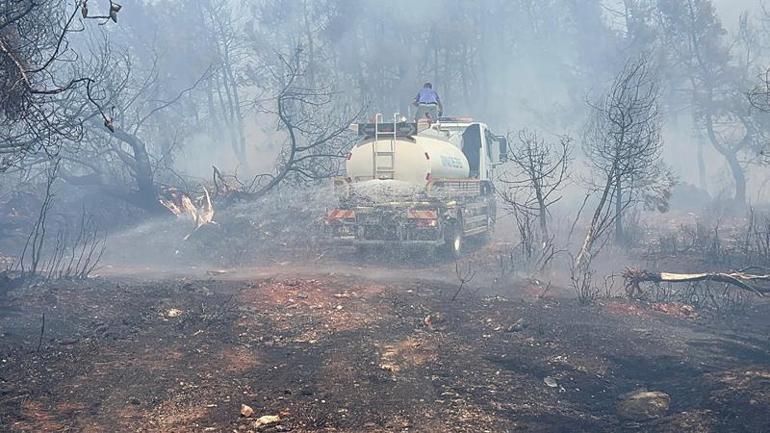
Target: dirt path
x=344, y=353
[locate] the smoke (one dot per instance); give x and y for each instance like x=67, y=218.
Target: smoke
x=511, y=64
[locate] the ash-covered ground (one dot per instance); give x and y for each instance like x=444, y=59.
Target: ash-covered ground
x=256, y=324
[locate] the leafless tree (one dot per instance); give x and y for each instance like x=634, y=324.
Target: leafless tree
x=316, y=129
x=581, y=280
x=136, y=143
x=623, y=145
x=223, y=89
x=35, y=245
x=759, y=99
x=542, y=169
x=67, y=256
x=759, y=96
x=41, y=91
x=76, y=256
x=464, y=276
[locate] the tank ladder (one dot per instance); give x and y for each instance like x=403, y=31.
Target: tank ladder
x=384, y=155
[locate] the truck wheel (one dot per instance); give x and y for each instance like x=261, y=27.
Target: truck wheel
x=454, y=241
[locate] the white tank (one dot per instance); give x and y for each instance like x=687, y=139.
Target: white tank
x=415, y=160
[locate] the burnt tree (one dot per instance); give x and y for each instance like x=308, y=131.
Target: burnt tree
x=541, y=172
x=623, y=146
x=43, y=82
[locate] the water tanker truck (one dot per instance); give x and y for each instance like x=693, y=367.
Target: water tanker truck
x=417, y=184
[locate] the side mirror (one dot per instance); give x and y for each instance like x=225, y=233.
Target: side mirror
x=503, y=148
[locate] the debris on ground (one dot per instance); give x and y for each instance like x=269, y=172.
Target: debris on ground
x=6, y=262
x=677, y=309
x=172, y=313
x=550, y=382
x=755, y=283
x=246, y=411
x=625, y=308
x=431, y=320
x=181, y=204
x=279, y=346
x=390, y=368
x=518, y=326
x=643, y=405
x=266, y=420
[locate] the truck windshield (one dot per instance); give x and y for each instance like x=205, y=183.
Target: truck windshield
x=472, y=148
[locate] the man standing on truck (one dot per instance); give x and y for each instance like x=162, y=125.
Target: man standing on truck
x=428, y=104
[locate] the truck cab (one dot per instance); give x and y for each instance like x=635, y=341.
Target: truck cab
x=483, y=149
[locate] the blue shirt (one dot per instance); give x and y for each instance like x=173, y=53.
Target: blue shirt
x=427, y=96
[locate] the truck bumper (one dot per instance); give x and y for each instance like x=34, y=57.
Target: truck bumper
x=351, y=241
x=377, y=226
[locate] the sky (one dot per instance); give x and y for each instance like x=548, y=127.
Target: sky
x=730, y=10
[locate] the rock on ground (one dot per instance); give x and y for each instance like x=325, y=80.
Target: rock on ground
x=246, y=410
x=643, y=405
x=266, y=420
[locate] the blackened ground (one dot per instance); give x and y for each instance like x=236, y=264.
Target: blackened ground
x=331, y=352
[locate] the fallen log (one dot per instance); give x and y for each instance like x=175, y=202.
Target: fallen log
x=634, y=277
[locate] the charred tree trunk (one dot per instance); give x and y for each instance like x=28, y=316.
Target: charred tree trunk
x=730, y=154
x=583, y=256
x=236, y=117
x=542, y=213
x=146, y=195
x=702, y=184
x=620, y=237
x=739, y=178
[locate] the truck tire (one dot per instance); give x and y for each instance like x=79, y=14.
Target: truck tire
x=454, y=241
